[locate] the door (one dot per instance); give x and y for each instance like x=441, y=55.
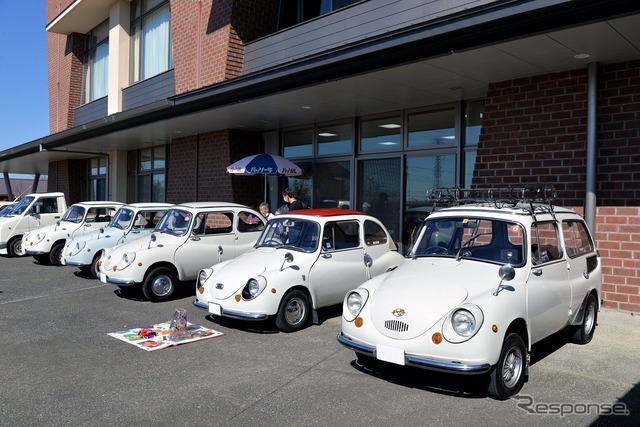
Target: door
x=584, y=268
x=549, y=291
x=340, y=266
x=211, y=231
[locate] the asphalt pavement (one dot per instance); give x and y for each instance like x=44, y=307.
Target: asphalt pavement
x=59, y=367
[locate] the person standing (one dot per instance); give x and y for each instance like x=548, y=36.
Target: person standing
x=265, y=210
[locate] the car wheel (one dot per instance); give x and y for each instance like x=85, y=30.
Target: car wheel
x=159, y=285
x=55, y=256
x=293, y=313
x=93, y=269
x=508, y=375
x=584, y=333
x=15, y=246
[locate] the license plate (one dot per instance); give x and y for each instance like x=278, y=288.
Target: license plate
x=62, y=261
x=103, y=278
x=215, y=309
x=390, y=354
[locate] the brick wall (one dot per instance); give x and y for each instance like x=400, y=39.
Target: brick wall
x=535, y=131
x=64, y=63
x=69, y=177
x=209, y=38
x=198, y=166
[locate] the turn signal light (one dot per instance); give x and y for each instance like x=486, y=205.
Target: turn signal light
x=436, y=338
x=201, y=289
x=358, y=322
x=114, y=268
x=238, y=297
x=494, y=328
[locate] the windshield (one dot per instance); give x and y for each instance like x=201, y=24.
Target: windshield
x=481, y=239
x=6, y=210
x=175, y=221
x=122, y=219
x=74, y=214
x=22, y=205
x=298, y=234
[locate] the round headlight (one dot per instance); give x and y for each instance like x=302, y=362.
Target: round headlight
x=464, y=323
x=80, y=246
x=253, y=287
x=354, y=303
x=202, y=277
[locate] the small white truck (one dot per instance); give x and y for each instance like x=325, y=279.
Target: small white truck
x=32, y=212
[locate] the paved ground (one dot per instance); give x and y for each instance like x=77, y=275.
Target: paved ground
x=59, y=367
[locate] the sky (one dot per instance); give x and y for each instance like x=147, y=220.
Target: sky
x=24, y=107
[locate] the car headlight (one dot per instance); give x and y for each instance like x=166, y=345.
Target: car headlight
x=253, y=288
x=38, y=237
x=203, y=276
x=353, y=304
x=75, y=249
x=462, y=323
x=126, y=260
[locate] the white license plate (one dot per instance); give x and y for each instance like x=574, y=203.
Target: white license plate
x=390, y=354
x=103, y=278
x=215, y=309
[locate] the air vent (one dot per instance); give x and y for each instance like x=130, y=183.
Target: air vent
x=396, y=325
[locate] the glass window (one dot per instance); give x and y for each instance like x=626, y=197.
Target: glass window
x=469, y=167
x=544, y=243
x=576, y=238
x=332, y=184
x=151, y=44
x=98, y=178
x=335, y=139
x=384, y=133
x=302, y=186
x=379, y=191
x=432, y=128
x=473, y=122
x=341, y=235
x=293, y=12
x=298, y=142
x=374, y=234
x=248, y=222
x=96, y=63
x=218, y=223
x=147, y=175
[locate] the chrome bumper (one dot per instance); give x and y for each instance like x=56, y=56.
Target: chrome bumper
x=232, y=314
x=418, y=362
x=121, y=282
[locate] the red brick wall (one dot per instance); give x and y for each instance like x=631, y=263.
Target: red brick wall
x=535, y=131
x=64, y=62
x=209, y=38
x=69, y=177
x=198, y=165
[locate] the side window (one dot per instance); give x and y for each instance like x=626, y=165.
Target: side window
x=341, y=235
x=374, y=234
x=100, y=214
x=147, y=219
x=247, y=222
x=49, y=205
x=576, y=238
x=544, y=243
x=216, y=222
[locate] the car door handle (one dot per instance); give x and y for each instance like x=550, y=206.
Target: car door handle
x=585, y=273
x=327, y=256
x=537, y=272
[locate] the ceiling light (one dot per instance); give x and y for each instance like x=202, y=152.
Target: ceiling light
x=388, y=143
x=306, y=107
x=327, y=134
x=581, y=56
x=390, y=126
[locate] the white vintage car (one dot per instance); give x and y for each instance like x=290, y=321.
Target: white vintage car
x=46, y=243
x=188, y=238
x=303, y=261
x=130, y=222
x=481, y=284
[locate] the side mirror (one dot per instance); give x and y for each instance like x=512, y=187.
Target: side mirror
x=288, y=258
x=506, y=273
x=220, y=252
x=152, y=239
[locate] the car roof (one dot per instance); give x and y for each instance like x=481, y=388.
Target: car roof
x=150, y=205
x=98, y=203
x=323, y=212
x=506, y=209
x=207, y=205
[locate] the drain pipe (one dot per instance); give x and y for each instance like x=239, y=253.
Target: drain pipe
x=590, y=193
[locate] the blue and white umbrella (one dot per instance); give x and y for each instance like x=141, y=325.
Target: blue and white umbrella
x=264, y=164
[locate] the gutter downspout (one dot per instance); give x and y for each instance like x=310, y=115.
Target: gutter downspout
x=590, y=193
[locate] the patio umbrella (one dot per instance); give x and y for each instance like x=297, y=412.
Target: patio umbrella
x=264, y=164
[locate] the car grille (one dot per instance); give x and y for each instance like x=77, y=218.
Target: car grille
x=396, y=325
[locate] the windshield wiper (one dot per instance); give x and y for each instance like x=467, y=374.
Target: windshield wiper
x=468, y=242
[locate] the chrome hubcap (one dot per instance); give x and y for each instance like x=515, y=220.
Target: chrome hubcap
x=294, y=311
x=161, y=285
x=512, y=368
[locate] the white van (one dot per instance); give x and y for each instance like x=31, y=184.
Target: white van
x=32, y=212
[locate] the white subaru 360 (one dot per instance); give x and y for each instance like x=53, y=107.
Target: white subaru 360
x=188, y=238
x=130, y=222
x=481, y=284
x=46, y=243
x=304, y=260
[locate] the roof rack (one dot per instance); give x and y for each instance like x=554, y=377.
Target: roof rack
x=496, y=196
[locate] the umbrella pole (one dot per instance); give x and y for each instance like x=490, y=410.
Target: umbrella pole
x=264, y=199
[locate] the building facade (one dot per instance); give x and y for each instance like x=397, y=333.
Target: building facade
x=377, y=101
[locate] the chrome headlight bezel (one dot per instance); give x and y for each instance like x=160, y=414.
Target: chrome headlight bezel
x=78, y=247
x=353, y=304
x=126, y=260
x=203, y=276
x=253, y=288
x=37, y=237
x=462, y=323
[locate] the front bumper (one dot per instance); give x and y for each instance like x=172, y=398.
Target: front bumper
x=417, y=361
x=232, y=314
x=32, y=252
x=73, y=263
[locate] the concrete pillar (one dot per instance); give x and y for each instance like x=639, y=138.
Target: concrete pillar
x=119, y=43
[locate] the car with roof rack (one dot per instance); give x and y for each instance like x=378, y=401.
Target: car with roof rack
x=485, y=279
x=129, y=222
x=46, y=243
x=188, y=238
x=303, y=261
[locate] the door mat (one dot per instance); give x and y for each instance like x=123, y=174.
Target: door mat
x=159, y=336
